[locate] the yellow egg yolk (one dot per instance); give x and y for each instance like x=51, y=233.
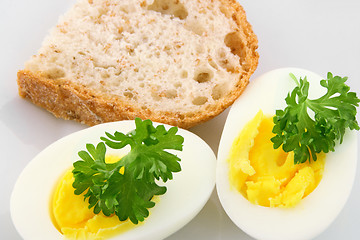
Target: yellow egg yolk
x=75, y=220
x=268, y=176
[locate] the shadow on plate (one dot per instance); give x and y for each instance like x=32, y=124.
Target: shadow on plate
x=33, y=125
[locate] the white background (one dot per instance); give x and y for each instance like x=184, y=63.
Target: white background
x=320, y=35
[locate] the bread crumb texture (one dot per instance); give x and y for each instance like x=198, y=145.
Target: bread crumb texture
x=179, y=62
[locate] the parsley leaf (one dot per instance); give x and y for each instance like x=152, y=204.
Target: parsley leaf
x=332, y=113
x=128, y=194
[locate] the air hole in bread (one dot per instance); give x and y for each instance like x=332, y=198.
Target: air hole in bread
x=145, y=39
x=131, y=51
x=128, y=94
x=204, y=75
x=105, y=75
x=55, y=73
x=184, y=74
x=117, y=72
x=195, y=27
x=213, y=64
x=155, y=96
x=224, y=62
x=171, y=94
x=167, y=49
x=127, y=8
x=234, y=41
x=181, y=13
x=169, y=7
x=177, y=84
x=218, y=91
x=200, y=100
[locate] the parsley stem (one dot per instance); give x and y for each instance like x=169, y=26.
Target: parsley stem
x=295, y=79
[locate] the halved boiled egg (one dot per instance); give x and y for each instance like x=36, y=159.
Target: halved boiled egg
x=186, y=194
x=314, y=213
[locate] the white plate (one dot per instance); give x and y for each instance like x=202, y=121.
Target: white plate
x=318, y=35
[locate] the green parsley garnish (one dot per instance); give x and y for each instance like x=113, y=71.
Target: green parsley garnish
x=332, y=113
x=128, y=194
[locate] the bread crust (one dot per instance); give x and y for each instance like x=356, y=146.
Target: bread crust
x=68, y=100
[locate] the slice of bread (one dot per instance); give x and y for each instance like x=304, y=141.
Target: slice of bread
x=179, y=62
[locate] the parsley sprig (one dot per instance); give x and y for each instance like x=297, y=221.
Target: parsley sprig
x=128, y=194
x=307, y=135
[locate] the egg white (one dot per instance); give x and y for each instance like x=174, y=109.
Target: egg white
x=186, y=194
x=315, y=212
